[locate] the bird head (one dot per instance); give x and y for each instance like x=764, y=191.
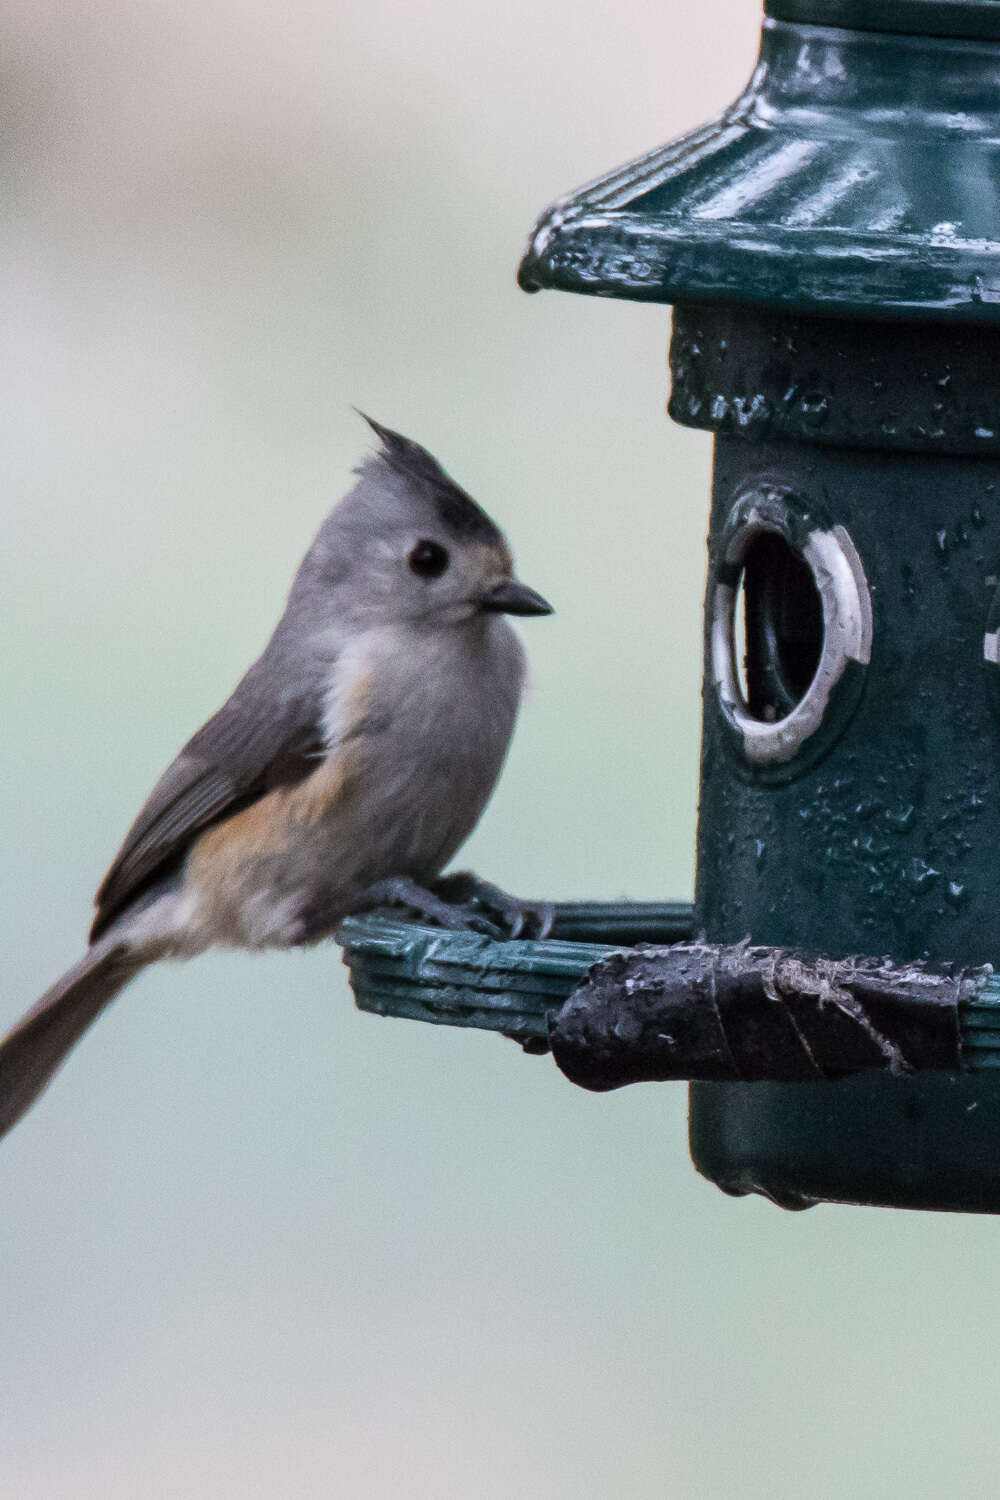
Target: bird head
x=409, y=546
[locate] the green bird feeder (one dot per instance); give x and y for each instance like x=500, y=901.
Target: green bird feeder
x=831, y=248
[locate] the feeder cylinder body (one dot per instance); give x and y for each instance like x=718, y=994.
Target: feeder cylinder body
x=831, y=246
x=874, y=831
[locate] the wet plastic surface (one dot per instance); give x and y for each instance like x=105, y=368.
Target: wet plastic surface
x=978, y=19
x=858, y=175
x=856, y=182
x=422, y=973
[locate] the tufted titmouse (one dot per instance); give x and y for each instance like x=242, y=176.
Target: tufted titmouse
x=346, y=769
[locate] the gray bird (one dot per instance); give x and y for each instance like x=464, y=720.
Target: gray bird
x=344, y=772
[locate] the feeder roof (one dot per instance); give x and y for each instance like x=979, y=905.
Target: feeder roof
x=858, y=174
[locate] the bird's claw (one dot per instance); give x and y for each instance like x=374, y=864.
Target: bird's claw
x=517, y=917
x=454, y=916
x=464, y=903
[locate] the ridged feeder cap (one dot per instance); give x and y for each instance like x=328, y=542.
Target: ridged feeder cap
x=858, y=175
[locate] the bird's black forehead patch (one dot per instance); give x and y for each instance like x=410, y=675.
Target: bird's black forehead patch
x=457, y=511
x=462, y=516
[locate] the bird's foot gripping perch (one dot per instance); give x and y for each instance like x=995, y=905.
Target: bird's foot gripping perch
x=464, y=903
x=515, y=916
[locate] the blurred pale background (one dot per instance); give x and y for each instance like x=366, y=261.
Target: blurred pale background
x=253, y=1243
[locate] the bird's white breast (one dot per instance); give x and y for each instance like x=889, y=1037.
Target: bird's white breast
x=429, y=714
x=417, y=725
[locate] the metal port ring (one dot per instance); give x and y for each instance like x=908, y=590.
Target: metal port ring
x=847, y=623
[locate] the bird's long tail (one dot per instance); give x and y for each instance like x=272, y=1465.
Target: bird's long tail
x=35, y=1048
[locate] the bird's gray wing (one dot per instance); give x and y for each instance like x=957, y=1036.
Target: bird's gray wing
x=263, y=736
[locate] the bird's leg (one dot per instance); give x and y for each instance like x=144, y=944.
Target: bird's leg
x=400, y=890
x=518, y=917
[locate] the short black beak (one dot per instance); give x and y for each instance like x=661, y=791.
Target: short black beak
x=513, y=598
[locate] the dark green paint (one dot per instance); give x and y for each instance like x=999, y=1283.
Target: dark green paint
x=886, y=844
x=868, y=1139
x=404, y=968
x=974, y=19
x=835, y=382
x=859, y=174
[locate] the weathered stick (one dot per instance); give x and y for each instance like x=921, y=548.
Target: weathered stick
x=745, y=1014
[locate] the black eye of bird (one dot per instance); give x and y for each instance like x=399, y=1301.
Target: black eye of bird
x=428, y=559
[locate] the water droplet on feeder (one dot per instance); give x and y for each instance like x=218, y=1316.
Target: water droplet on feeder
x=920, y=875
x=814, y=407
